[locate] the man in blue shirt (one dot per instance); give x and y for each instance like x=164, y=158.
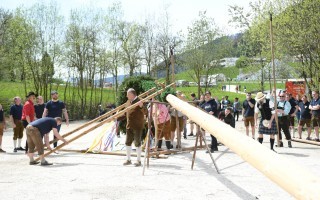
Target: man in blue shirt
x=55, y=108
x=36, y=130
x=210, y=106
x=15, y=118
x=305, y=116
x=315, y=109
x=39, y=107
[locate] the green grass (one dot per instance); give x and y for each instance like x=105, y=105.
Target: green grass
x=229, y=72
x=12, y=89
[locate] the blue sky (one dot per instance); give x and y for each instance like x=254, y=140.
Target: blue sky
x=181, y=12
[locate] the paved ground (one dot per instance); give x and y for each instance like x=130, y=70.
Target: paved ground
x=92, y=176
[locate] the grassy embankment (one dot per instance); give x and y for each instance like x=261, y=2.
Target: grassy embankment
x=11, y=89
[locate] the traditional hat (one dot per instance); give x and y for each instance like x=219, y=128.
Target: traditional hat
x=260, y=96
x=30, y=94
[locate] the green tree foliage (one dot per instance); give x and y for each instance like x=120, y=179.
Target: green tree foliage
x=139, y=83
x=242, y=62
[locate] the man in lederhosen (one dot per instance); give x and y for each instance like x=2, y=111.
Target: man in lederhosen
x=135, y=125
x=15, y=118
x=292, y=114
x=305, y=117
x=267, y=124
x=315, y=109
x=283, y=110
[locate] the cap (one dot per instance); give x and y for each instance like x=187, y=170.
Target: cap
x=30, y=94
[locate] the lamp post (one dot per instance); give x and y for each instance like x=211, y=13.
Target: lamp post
x=229, y=83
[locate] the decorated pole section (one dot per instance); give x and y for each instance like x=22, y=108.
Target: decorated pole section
x=296, y=180
x=111, y=112
x=109, y=119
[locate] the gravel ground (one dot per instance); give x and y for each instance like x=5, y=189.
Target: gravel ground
x=95, y=176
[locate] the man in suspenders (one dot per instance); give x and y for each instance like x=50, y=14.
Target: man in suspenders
x=283, y=110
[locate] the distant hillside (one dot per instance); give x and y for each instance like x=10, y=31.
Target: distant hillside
x=160, y=72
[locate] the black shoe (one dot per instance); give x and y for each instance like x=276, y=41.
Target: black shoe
x=185, y=137
x=20, y=149
x=289, y=144
x=274, y=150
x=191, y=134
x=45, y=163
x=215, y=149
x=34, y=162
x=281, y=144
x=168, y=145
x=15, y=150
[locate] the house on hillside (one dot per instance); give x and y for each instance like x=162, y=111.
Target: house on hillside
x=213, y=79
x=228, y=62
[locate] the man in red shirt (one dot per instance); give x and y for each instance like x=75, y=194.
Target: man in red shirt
x=28, y=114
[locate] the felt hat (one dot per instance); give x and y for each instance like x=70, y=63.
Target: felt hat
x=260, y=96
x=30, y=94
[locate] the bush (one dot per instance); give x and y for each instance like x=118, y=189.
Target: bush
x=139, y=83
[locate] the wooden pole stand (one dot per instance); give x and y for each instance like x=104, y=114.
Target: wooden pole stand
x=109, y=119
x=200, y=136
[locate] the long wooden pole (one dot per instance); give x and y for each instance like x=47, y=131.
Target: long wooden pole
x=274, y=82
x=109, y=119
x=306, y=141
x=296, y=180
x=111, y=112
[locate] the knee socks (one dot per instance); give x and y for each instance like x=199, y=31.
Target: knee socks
x=139, y=153
x=128, y=148
x=271, y=143
x=260, y=140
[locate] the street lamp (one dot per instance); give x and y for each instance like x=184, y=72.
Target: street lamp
x=229, y=83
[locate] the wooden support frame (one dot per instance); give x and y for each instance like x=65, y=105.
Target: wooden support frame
x=111, y=112
x=201, y=136
x=109, y=119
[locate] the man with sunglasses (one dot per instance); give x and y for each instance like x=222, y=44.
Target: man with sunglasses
x=315, y=109
x=54, y=108
x=283, y=110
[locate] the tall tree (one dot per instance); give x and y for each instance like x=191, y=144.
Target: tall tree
x=198, y=46
x=131, y=38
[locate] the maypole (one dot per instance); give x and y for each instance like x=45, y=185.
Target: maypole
x=274, y=80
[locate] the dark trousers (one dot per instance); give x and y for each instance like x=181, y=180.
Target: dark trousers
x=55, y=144
x=236, y=113
x=214, y=142
x=283, y=124
x=25, y=124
